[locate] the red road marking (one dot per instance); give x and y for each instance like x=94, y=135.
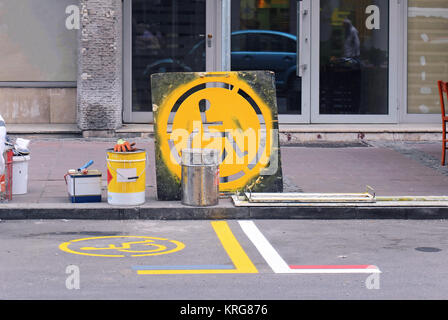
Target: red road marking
x=335, y=267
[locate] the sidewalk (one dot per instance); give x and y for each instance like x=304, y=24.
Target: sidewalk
x=391, y=168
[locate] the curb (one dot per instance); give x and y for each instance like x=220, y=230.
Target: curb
x=174, y=211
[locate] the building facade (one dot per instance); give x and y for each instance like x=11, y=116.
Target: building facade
x=89, y=62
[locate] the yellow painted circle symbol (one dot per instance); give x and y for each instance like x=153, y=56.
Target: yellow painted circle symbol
x=216, y=112
x=121, y=246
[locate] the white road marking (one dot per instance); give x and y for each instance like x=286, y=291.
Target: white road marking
x=273, y=259
x=278, y=265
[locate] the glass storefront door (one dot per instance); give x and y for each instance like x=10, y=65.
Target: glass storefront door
x=351, y=61
x=160, y=36
x=333, y=59
x=264, y=37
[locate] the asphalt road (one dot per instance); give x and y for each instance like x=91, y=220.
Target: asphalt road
x=203, y=260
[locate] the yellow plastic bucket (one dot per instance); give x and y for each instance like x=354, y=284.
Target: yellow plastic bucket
x=126, y=177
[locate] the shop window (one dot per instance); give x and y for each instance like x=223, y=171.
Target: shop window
x=36, y=45
x=427, y=54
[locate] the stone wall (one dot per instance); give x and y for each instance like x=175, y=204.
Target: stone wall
x=38, y=105
x=100, y=66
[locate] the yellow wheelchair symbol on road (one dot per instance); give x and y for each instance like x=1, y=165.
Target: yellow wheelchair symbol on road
x=122, y=246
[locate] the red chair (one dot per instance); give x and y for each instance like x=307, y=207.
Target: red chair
x=443, y=87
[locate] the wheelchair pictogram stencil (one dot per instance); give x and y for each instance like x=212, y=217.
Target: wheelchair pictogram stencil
x=233, y=112
x=122, y=246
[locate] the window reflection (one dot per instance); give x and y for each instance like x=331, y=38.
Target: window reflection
x=354, y=62
x=165, y=38
x=351, y=42
x=264, y=38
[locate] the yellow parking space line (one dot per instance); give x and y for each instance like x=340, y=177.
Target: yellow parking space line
x=233, y=248
x=193, y=271
x=230, y=244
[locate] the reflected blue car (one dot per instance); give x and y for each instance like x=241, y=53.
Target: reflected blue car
x=259, y=50
x=266, y=50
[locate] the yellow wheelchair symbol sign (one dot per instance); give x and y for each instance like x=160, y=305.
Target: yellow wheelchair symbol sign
x=217, y=111
x=122, y=246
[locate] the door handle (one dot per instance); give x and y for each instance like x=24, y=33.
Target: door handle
x=209, y=40
x=301, y=13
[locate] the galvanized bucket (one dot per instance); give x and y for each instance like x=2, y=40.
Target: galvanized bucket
x=200, y=177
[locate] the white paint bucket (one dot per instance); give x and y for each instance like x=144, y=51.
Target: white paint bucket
x=20, y=174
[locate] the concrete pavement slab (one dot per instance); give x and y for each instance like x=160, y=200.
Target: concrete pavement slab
x=392, y=169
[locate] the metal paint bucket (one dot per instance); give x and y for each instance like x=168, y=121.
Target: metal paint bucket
x=200, y=177
x=126, y=177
